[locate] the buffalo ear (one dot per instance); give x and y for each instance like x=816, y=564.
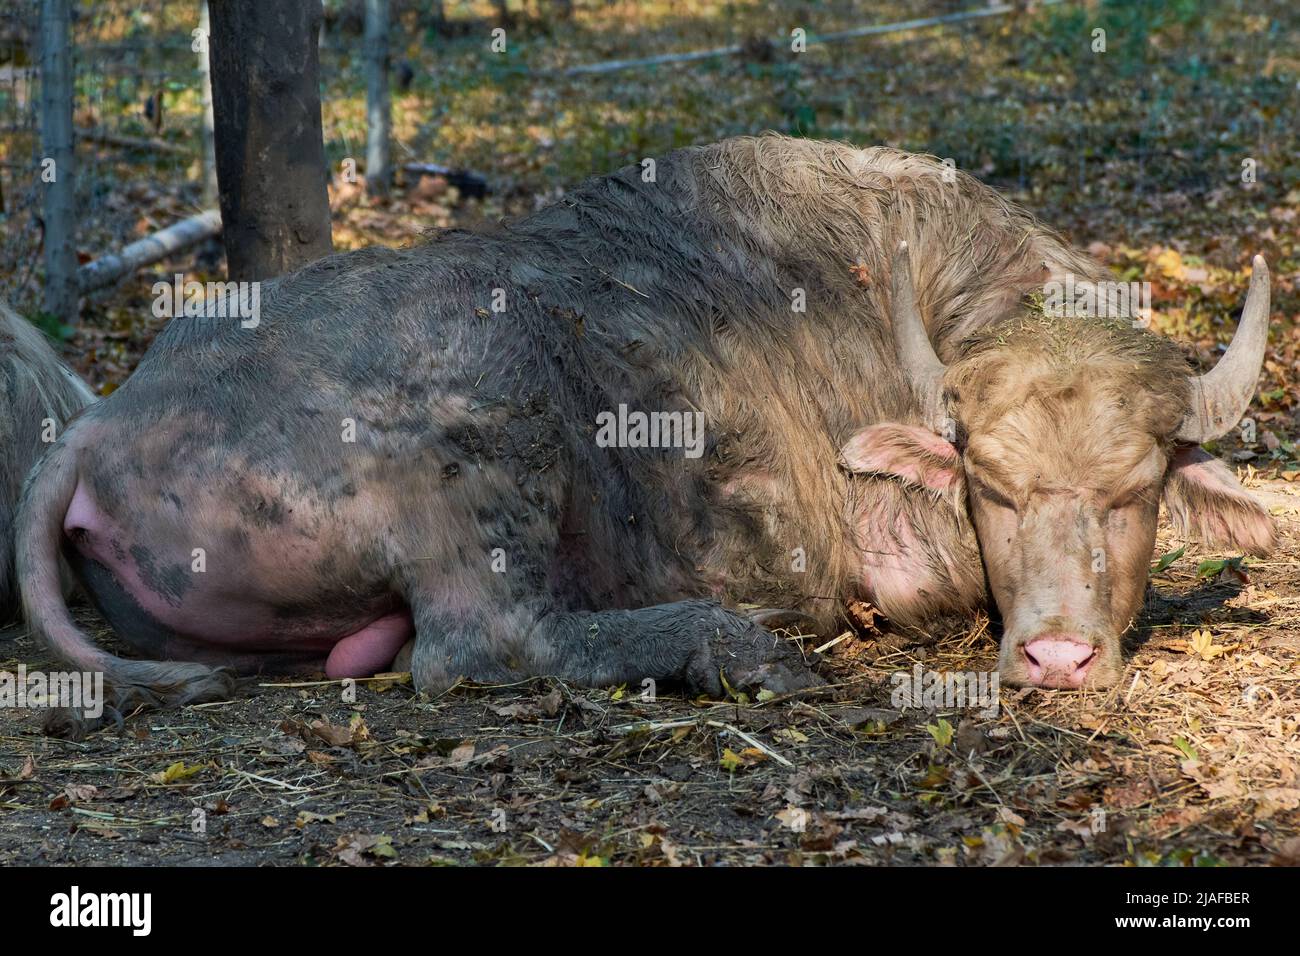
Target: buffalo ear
x=918, y=456
x=1205, y=501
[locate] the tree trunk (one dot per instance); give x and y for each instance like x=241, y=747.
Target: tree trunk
x=270, y=152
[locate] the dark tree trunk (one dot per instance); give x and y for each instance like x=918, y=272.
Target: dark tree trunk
x=270, y=152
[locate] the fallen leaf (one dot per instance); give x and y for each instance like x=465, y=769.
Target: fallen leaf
x=1007, y=815
x=1167, y=559
x=523, y=710
x=794, y=818
x=941, y=732
x=1170, y=264
x=732, y=761
x=552, y=702
x=306, y=816
x=462, y=755
x=352, y=848
x=1187, y=749
x=1202, y=643
x=177, y=771
x=1081, y=828
x=382, y=683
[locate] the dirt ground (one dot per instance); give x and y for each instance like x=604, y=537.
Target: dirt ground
x=1193, y=760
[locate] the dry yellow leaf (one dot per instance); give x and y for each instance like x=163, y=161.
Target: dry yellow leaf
x=1170, y=264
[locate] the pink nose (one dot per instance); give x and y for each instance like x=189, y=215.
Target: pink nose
x=1058, y=661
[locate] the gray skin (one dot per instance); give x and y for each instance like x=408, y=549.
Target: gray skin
x=386, y=456
x=38, y=395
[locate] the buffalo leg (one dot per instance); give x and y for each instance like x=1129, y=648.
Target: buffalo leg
x=691, y=642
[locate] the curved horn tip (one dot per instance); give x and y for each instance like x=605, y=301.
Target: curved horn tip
x=1222, y=395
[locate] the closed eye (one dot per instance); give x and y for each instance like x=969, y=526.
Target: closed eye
x=992, y=495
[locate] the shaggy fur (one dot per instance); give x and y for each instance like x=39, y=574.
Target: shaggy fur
x=35, y=387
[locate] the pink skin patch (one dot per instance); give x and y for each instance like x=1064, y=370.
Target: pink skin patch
x=892, y=575
x=1057, y=661
x=1206, y=501
x=898, y=572
x=223, y=615
x=1198, y=467
x=101, y=539
x=370, y=650
x=916, y=455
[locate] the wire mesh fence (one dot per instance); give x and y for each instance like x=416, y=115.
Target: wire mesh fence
x=131, y=62
x=19, y=146
x=137, y=99
x=137, y=87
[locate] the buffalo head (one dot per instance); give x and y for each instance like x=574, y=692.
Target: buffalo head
x=1058, y=436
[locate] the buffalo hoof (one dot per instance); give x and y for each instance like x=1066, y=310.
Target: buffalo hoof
x=68, y=723
x=748, y=658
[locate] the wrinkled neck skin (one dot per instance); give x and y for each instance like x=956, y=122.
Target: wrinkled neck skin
x=918, y=557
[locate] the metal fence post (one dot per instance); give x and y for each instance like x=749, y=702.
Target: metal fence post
x=57, y=171
x=378, y=110
x=208, y=145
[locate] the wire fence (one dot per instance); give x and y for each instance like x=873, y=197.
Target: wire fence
x=129, y=61
x=137, y=82
x=19, y=146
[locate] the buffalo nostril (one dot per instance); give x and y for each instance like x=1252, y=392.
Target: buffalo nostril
x=1058, y=661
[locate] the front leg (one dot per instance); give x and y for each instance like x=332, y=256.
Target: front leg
x=694, y=643
x=492, y=618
